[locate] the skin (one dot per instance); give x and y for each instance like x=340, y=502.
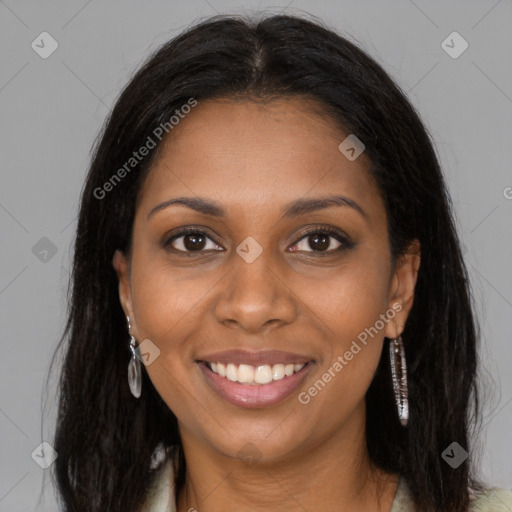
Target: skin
x=254, y=159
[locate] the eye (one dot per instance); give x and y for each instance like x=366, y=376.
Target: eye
x=192, y=240
x=319, y=240
x=322, y=240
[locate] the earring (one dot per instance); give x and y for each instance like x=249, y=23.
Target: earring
x=134, y=373
x=399, y=375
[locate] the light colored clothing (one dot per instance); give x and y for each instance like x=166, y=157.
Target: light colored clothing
x=161, y=497
x=493, y=500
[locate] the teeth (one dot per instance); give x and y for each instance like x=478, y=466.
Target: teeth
x=263, y=374
x=289, y=369
x=245, y=373
x=231, y=372
x=278, y=371
x=248, y=374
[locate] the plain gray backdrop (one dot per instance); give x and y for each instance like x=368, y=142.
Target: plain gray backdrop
x=51, y=110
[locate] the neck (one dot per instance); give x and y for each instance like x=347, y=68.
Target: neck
x=336, y=474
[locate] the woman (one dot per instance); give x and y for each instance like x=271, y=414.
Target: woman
x=270, y=310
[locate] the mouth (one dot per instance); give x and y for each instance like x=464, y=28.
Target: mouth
x=257, y=385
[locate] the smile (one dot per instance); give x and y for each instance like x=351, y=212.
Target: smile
x=254, y=379
x=254, y=375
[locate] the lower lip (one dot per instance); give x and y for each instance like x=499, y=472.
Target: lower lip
x=252, y=396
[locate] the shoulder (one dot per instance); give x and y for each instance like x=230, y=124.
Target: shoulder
x=161, y=497
x=492, y=500
x=489, y=500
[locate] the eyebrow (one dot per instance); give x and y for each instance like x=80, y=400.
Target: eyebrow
x=294, y=209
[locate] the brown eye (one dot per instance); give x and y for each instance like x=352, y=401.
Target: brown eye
x=321, y=240
x=192, y=241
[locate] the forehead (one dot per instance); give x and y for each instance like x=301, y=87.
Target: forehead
x=249, y=155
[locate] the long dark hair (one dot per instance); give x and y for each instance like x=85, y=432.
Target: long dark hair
x=105, y=439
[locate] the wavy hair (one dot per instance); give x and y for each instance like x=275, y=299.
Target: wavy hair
x=107, y=441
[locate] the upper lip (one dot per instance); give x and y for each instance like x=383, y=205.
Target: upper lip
x=255, y=358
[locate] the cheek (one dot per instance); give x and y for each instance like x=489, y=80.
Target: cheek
x=160, y=301
x=350, y=300
x=167, y=311
x=170, y=307
x=350, y=304
x=165, y=298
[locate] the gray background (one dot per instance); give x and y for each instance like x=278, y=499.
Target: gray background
x=52, y=109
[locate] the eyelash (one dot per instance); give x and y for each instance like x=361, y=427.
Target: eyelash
x=334, y=233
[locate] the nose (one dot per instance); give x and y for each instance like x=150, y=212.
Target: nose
x=256, y=296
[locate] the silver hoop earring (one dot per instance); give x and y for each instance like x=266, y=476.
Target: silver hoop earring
x=134, y=372
x=399, y=376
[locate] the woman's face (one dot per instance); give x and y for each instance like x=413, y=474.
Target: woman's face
x=262, y=290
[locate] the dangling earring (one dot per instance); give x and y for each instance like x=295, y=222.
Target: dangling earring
x=399, y=375
x=134, y=373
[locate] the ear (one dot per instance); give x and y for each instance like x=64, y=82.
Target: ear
x=401, y=292
x=122, y=268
